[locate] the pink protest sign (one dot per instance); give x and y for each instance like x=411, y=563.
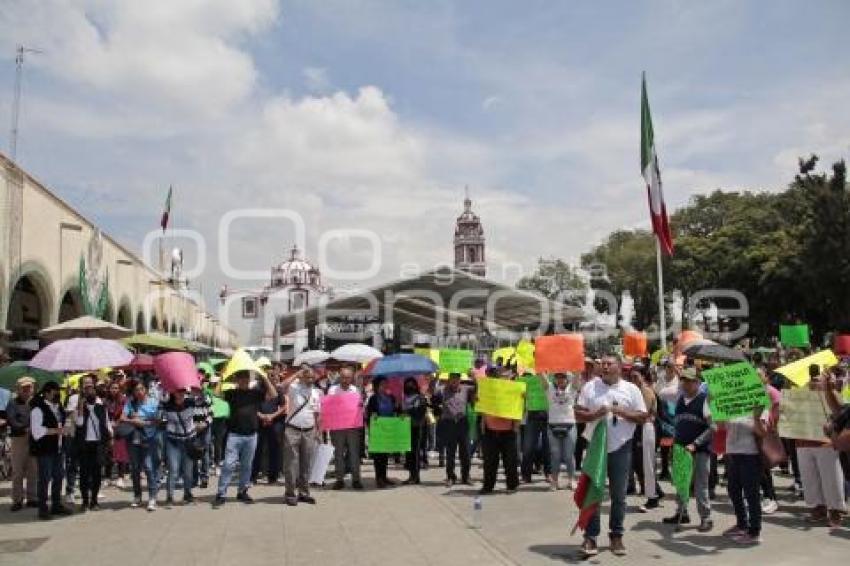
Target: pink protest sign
x=176, y=370
x=342, y=411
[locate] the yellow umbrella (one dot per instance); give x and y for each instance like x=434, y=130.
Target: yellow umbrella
x=264, y=362
x=525, y=354
x=241, y=361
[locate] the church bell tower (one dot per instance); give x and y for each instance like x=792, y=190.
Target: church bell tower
x=469, y=241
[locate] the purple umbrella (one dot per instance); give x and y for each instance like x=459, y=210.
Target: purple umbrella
x=82, y=354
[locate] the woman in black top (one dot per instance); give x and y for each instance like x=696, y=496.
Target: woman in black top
x=414, y=405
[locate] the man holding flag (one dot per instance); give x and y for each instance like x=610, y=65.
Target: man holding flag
x=611, y=407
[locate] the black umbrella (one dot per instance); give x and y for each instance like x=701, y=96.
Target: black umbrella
x=712, y=351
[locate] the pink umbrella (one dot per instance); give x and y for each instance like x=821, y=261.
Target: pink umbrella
x=82, y=354
x=141, y=362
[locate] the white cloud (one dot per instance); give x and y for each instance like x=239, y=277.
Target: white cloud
x=317, y=79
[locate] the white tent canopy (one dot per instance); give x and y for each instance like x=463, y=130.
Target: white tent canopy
x=442, y=302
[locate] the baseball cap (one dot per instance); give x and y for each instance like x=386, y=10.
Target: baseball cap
x=689, y=373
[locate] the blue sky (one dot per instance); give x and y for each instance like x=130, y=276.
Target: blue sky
x=373, y=115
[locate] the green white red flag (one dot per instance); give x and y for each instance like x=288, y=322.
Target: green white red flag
x=652, y=175
x=594, y=469
x=163, y=222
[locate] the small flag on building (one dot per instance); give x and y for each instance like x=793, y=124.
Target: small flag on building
x=166, y=211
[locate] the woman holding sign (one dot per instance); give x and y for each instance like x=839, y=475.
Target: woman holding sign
x=381, y=404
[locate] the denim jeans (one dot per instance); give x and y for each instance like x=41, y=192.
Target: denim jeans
x=744, y=471
x=702, y=469
x=144, y=456
x=240, y=449
x=535, y=427
x=51, y=470
x=619, y=465
x=456, y=441
x=178, y=463
x=562, y=448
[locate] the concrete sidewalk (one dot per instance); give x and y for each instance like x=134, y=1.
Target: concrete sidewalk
x=427, y=524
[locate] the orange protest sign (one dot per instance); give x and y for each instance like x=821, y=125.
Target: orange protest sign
x=558, y=353
x=634, y=344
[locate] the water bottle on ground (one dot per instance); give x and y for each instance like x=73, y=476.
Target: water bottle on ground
x=475, y=522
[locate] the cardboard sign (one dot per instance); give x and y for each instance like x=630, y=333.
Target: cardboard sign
x=802, y=415
x=798, y=372
x=389, y=435
x=342, y=411
x=634, y=344
x=536, y=398
x=794, y=335
x=734, y=390
x=559, y=353
x=455, y=361
x=501, y=398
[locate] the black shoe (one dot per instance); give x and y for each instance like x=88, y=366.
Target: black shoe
x=31, y=504
x=188, y=498
x=205, y=483
x=484, y=491
x=94, y=506
x=60, y=510
x=653, y=503
x=290, y=500
x=705, y=525
x=307, y=499
x=17, y=507
x=44, y=514
x=356, y=485
x=338, y=485
x=677, y=519
x=218, y=501
x=244, y=497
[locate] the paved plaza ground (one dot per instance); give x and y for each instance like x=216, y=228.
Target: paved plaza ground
x=427, y=524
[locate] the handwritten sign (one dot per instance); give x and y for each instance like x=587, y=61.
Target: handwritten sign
x=794, y=335
x=535, y=395
x=455, y=361
x=501, y=398
x=389, y=435
x=802, y=415
x=798, y=372
x=559, y=353
x=342, y=411
x=734, y=390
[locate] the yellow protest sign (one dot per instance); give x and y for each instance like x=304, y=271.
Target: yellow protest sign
x=525, y=354
x=802, y=415
x=798, y=372
x=501, y=398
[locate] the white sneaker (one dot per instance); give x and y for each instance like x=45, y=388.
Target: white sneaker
x=119, y=483
x=769, y=506
x=69, y=499
x=152, y=505
x=136, y=503
x=571, y=484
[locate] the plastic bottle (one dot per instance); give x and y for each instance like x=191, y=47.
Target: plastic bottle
x=475, y=522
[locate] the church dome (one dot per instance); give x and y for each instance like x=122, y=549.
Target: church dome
x=295, y=271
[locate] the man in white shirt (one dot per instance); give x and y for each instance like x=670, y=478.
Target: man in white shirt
x=46, y=421
x=300, y=436
x=613, y=402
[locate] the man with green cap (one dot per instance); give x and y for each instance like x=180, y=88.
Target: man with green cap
x=694, y=433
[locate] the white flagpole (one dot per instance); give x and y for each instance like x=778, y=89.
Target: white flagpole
x=661, y=315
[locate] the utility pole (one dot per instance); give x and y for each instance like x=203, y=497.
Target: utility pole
x=16, y=101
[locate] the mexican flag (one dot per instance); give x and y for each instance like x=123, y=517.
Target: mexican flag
x=652, y=176
x=166, y=211
x=594, y=470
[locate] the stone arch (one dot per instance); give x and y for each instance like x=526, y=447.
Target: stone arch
x=70, y=305
x=125, y=313
x=154, y=325
x=30, y=305
x=172, y=330
x=140, y=322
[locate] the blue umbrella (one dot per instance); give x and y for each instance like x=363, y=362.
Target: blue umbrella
x=401, y=365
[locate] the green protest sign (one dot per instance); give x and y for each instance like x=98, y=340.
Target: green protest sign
x=682, y=472
x=794, y=335
x=734, y=390
x=535, y=395
x=389, y=435
x=455, y=361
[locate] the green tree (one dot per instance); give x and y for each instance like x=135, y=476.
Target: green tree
x=555, y=278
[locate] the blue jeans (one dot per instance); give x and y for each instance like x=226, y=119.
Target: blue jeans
x=178, y=463
x=145, y=456
x=562, y=447
x=240, y=448
x=744, y=475
x=619, y=465
x=51, y=471
x=534, y=437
